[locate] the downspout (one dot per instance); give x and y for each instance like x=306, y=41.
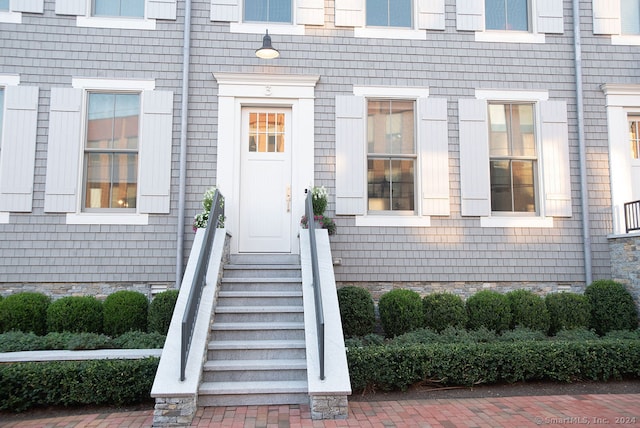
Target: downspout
x=184, y=116
x=586, y=235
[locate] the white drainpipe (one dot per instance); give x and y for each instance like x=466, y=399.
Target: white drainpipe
x=586, y=235
x=184, y=116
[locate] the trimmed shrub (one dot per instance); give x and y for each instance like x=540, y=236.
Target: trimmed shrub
x=567, y=311
x=124, y=311
x=488, y=309
x=76, y=314
x=139, y=340
x=612, y=307
x=442, y=310
x=357, y=311
x=528, y=310
x=161, y=310
x=400, y=312
x=25, y=312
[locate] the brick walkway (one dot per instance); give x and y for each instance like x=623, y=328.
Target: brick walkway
x=551, y=411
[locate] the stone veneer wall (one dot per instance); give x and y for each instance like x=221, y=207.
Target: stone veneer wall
x=625, y=263
x=99, y=290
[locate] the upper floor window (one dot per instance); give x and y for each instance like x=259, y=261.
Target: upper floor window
x=391, y=158
x=268, y=11
x=634, y=136
x=512, y=158
x=510, y=15
x=630, y=16
x=111, y=151
x=4, y=4
x=118, y=8
x=389, y=13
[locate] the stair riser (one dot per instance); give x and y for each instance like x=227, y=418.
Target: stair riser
x=252, y=400
x=268, y=259
x=254, y=375
x=256, y=354
x=257, y=335
x=262, y=273
x=260, y=301
x=259, y=317
x=261, y=286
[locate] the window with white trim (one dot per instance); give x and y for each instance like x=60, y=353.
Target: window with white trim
x=511, y=21
x=282, y=16
x=514, y=158
x=118, y=8
x=268, y=11
x=392, y=156
x=125, y=14
x=620, y=19
x=389, y=13
x=11, y=11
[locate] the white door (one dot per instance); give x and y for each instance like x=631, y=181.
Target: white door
x=265, y=181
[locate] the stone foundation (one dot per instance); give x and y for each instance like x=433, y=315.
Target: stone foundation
x=96, y=289
x=329, y=406
x=625, y=263
x=174, y=412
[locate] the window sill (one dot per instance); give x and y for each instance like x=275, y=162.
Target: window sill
x=259, y=28
x=393, y=221
x=109, y=219
x=123, y=23
x=509, y=37
x=4, y=218
x=534, y=222
x=632, y=40
x=390, y=33
x=11, y=17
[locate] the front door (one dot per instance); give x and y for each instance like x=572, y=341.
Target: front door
x=265, y=181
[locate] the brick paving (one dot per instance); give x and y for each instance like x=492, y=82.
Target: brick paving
x=494, y=412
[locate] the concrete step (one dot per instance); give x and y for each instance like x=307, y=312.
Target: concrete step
x=265, y=259
x=262, y=271
x=255, y=370
x=252, y=393
x=236, y=314
x=256, y=349
x=260, y=298
x=257, y=331
x=261, y=284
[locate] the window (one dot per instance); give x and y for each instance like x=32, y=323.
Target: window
x=389, y=13
x=630, y=16
x=634, y=136
x=266, y=132
x=511, y=15
x=4, y=4
x=111, y=151
x=512, y=152
x=119, y=8
x=391, y=156
x=268, y=11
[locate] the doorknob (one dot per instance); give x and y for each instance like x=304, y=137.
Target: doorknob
x=288, y=198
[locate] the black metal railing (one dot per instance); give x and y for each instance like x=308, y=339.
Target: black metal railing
x=199, y=279
x=632, y=216
x=317, y=292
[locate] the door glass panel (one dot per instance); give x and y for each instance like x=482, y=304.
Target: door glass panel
x=634, y=137
x=266, y=132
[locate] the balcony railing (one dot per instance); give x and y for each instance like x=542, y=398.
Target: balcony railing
x=632, y=216
x=199, y=279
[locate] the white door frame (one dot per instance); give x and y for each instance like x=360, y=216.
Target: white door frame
x=236, y=91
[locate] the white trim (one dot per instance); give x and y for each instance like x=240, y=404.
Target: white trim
x=274, y=28
x=631, y=40
x=9, y=79
x=9, y=17
x=123, y=23
x=499, y=221
x=108, y=218
x=511, y=95
x=414, y=92
x=393, y=221
x=4, y=218
x=510, y=37
x=390, y=33
x=113, y=84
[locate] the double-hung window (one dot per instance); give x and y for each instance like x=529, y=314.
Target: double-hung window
x=277, y=11
x=278, y=16
x=510, y=15
x=118, y=8
x=391, y=157
x=111, y=151
x=389, y=13
x=512, y=158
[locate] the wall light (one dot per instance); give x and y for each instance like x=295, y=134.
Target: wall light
x=267, y=51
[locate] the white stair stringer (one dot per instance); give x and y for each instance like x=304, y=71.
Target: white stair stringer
x=257, y=355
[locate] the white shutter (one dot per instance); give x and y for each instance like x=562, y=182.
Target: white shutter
x=64, y=149
x=470, y=15
x=71, y=7
x=474, y=158
x=350, y=155
x=349, y=13
x=434, y=156
x=156, y=138
x=555, y=158
x=550, y=16
x=310, y=12
x=225, y=10
x=431, y=14
x=606, y=17
x=161, y=9
x=30, y=6
x=17, y=155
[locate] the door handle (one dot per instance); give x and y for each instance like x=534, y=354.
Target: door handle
x=288, y=198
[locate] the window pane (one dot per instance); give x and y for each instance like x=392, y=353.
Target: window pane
x=106, y=8
x=498, y=132
x=500, y=185
x=634, y=137
x=279, y=10
x=391, y=184
x=378, y=13
x=255, y=10
x=113, y=121
x=400, y=13
x=132, y=8
x=523, y=186
x=517, y=15
x=495, y=13
x=378, y=185
x=402, y=185
x=522, y=128
x=267, y=10
x=507, y=15
x=391, y=127
x=266, y=132
x=630, y=16
x=111, y=180
x=4, y=4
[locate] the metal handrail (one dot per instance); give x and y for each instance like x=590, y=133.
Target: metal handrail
x=317, y=292
x=632, y=216
x=199, y=280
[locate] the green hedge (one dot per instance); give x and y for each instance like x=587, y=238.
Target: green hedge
x=442, y=310
x=489, y=309
x=77, y=314
x=400, y=312
x=612, y=307
x=357, y=311
x=161, y=310
x=124, y=311
x=14, y=341
x=74, y=383
x=398, y=367
x=25, y=311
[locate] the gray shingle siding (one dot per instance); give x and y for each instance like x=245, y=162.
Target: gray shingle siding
x=48, y=50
